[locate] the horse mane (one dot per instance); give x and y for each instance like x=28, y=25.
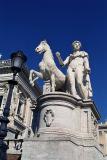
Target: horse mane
x=49, y=49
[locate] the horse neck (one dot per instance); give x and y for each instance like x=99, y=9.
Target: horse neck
x=48, y=54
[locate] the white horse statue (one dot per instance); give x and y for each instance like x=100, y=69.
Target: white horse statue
x=48, y=68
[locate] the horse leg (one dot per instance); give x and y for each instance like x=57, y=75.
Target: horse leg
x=38, y=75
x=53, y=82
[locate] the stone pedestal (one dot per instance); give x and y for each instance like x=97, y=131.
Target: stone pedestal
x=67, y=130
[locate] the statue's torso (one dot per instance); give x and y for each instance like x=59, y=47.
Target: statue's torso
x=77, y=59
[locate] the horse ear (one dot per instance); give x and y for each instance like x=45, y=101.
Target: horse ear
x=45, y=40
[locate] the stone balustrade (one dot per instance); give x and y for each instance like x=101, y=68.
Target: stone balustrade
x=14, y=146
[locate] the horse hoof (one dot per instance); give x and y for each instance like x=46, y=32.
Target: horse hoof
x=31, y=83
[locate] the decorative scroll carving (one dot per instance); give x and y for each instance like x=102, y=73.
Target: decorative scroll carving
x=95, y=129
x=93, y=125
x=48, y=117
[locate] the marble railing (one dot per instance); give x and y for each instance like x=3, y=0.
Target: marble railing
x=14, y=145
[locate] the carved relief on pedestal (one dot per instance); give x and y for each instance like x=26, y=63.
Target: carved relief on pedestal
x=95, y=128
x=94, y=125
x=85, y=125
x=48, y=117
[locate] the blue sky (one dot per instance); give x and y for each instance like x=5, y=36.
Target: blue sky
x=24, y=23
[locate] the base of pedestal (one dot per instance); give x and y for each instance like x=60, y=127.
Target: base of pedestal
x=61, y=147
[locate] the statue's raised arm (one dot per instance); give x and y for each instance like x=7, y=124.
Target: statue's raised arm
x=61, y=62
x=59, y=59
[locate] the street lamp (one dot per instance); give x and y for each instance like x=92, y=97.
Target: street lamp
x=17, y=60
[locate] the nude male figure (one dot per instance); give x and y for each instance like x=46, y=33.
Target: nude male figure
x=77, y=72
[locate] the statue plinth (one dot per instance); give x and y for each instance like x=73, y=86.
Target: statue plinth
x=67, y=129
x=62, y=113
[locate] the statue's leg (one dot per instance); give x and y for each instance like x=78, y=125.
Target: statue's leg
x=71, y=82
x=38, y=74
x=80, y=85
x=53, y=82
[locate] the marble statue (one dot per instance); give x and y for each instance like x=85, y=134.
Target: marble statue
x=48, y=68
x=77, y=72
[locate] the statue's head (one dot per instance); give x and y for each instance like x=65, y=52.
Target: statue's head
x=76, y=45
x=42, y=47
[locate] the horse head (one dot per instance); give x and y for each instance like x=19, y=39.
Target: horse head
x=42, y=47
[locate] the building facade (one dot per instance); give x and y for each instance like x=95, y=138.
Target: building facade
x=22, y=107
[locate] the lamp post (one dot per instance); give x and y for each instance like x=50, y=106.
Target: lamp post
x=17, y=60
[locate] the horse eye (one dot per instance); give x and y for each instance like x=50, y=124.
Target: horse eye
x=43, y=42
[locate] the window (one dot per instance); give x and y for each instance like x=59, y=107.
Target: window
x=19, y=107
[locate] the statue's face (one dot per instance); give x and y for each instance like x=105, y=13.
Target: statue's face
x=76, y=45
x=41, y=47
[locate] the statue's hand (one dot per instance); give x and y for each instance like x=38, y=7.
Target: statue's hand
x=59, y=59
x=58, y=54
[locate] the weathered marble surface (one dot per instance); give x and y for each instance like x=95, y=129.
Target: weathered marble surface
x=58, y=150
x=65, y=130
x=78, y=80
x=48, y=68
